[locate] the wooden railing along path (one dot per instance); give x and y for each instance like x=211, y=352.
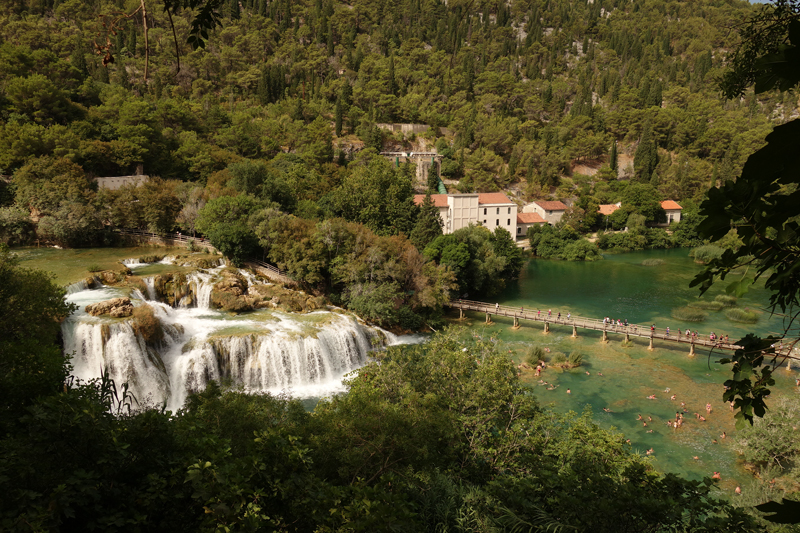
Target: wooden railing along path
x=631, y=330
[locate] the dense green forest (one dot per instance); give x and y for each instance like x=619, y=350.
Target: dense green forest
x=269, y=129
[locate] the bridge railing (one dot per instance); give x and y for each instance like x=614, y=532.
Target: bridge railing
x=638, y=330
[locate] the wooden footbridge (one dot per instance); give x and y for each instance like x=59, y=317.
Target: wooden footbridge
x=549, y=318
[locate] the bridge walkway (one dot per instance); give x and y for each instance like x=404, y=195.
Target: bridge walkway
x=548, y=319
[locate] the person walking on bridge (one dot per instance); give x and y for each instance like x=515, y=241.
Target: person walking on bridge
x=496, y=307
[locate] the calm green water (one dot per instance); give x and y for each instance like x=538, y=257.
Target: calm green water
x=621, y=287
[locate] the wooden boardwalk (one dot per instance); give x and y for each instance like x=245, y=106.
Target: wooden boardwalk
x=631, y=330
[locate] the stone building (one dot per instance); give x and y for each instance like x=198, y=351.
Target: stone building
x=492, y=210
x=550, y=211
x=525, y=221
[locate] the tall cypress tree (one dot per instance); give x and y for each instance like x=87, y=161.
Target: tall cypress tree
x=646, y=157
x=429, y=224
x=392, y=87
x=339, y=113
x=612, y=157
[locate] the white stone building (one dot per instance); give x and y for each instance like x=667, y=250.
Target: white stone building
x=550, y=211
x=525, y=221
x=492, y=210
x=673, y=211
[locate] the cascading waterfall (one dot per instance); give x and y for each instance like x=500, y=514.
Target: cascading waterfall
x=150, y=283
x=305, y=355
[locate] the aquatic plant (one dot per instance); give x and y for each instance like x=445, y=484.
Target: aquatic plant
x=688, y=314
x=152, y=258
x=534, y=355
x=558, y=358
x=706, y=253
x=737, y=314
x=704, y=304
x=93, y=268
x=652, y=262
x=575, y=359
x=726, y=300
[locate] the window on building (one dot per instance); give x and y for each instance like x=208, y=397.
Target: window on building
x=519, y=230
x=484, y=221
x=509, y=222
x=498, y=210
x=484, y=210
x=497, y=222
x=509, y=210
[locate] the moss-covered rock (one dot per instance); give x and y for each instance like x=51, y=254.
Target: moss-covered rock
x=277, y=296
x=229, y=293
x=115, y=307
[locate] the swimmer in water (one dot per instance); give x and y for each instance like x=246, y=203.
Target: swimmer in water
x=569, y=391
x=716, y=476
x=696, y=458
x=588, y=374
x=650, y=451
x=672, y=397
x=639, y=417
x=599, y=373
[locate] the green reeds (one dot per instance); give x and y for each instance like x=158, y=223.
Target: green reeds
x=688, y=314
x=652, y=262
x=737, y=314
x=703, y=304
x=726, y=300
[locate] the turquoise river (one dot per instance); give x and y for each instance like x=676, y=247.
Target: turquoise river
x=621, y=287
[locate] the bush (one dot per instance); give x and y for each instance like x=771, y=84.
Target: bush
x=575, y=359
x=688, y=314
x=726, y=300
x=153, y=258
x=408, y=319
x=534, y=355
x=558, y=358
x=705, y=254
x=703, y=304
x=741, y=315
x=192, y=246
x=652, y=262
x=93, y=268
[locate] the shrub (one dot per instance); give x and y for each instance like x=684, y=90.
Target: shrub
x=192, y=246
x=726, y=300
x=93, y=268
x=153, y=258
x=706, y=253
x=147, y=325
x=703, y=304
x=652, y=262
x=534, y=355
x=688, y=314
x=746, y=316
x=575, y=359
x=558, y=358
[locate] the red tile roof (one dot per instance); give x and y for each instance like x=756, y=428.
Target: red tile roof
x=607, y=209
x=551, y=206
x=670, y=204
x=529, y=218
x=439, y=200
x=493, y=198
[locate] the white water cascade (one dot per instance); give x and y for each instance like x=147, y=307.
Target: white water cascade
x=305, y=355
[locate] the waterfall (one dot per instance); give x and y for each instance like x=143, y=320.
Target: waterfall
x=78, y=286
x=304, y=355
x=119, y=350
x=150, y=283
x=201, y=284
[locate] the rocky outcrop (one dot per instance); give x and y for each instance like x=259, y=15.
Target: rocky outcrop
x=229, y=293
x=116, y=308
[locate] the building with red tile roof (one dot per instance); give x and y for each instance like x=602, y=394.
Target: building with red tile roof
x=673, y=211
x=493, y=210
x=526, y=220
x=550, y=210
x=607, y=209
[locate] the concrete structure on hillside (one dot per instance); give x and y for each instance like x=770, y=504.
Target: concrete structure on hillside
x=550, y=211
x=491, y=210
x=405, y=128
x=117, y=182
x=425, y=162
x=673, y=211
x=525, y=221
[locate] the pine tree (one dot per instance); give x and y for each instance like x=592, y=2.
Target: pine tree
x=429, y=224
x=233, y=9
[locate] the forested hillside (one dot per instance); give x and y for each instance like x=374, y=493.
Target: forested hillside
x=541, y=98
